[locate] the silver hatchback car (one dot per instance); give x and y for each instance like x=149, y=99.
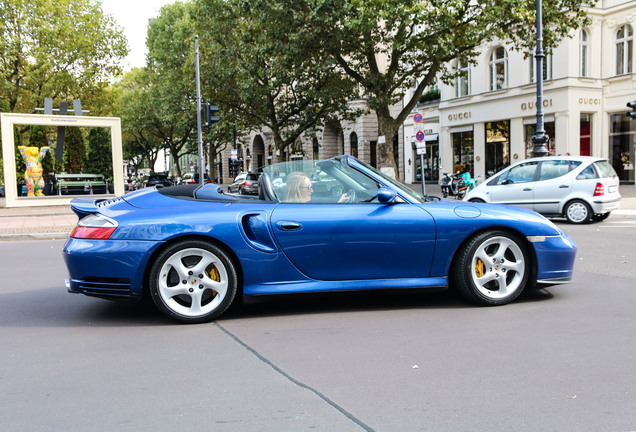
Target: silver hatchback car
x=579, y=188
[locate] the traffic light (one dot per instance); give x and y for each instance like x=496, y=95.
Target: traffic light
x=632, y=113
x=209, y=114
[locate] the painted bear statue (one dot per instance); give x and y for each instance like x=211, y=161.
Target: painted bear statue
x=33, y=175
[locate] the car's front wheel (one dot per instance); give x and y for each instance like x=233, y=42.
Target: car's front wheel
x=492, y=269
x=578, y=212
x=193, y=281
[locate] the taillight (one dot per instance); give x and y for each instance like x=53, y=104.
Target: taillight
x=95, y=226
x=246, y=184
x=600, y=190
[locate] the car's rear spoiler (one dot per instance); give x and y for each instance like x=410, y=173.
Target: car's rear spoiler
x=85, y=206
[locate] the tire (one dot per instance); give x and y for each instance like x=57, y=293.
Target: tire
x=193, y=282
x=600, y=217
x=492, y=269
x=577, y=212
x=477, y=200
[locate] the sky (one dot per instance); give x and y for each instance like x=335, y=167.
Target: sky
x=133, y=16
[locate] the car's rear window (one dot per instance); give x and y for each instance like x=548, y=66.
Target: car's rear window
x=252, y=177
x=605, y=169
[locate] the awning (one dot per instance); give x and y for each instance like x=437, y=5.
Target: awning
x=431, y=137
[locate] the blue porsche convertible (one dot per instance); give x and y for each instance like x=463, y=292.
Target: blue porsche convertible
x=329, y=225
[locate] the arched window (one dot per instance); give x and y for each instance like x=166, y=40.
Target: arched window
x=624, y=48
x=462, y=82
x=353, y=140
x=498, y=69
x=584, y=54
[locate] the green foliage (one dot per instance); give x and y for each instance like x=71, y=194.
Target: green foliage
x=386, y=46
x=261, y=73
x=74, y=151
x=56, y=48
x=431, y=95
x=99, y=158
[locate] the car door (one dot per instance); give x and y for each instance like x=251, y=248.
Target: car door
x=354, y=241
x=552, y=186
x=516, y=186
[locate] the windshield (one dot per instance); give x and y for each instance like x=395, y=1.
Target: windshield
x=405, y=190
x=329, y=181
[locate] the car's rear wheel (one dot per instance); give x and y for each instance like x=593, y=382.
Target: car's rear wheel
x=578, y=212
x=600, y=216
x=193, y=281
x=492, y=268
x=476, y=200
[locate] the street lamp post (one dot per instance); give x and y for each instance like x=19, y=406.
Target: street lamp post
x=540, y=138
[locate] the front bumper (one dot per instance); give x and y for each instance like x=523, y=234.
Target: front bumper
x=555, y=259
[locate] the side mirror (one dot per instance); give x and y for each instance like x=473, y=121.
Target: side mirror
x=386, y=195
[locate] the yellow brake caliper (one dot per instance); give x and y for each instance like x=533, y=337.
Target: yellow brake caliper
x=215, y=276
x=479, y=268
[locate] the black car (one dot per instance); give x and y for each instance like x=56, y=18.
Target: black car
x=158, y=180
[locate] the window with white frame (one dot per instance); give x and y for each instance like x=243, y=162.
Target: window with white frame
x=584, y=53
x=498, y=69
x=462, y=82
x=624, y=48
x=547, y=67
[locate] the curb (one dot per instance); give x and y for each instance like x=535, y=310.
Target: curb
x=35, y=236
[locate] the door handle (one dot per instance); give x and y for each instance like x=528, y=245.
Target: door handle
x=527, y=189
x=288, y=225
x=564, y=187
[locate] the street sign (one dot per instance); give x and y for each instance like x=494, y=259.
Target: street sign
x=420, y=135
x=234, y=154
x=417, y=118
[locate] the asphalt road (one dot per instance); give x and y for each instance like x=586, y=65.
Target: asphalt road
x=560, y=359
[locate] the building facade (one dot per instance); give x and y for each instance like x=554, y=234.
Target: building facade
x=486, y=118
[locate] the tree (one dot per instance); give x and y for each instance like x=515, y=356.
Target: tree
x=389, y=47
x=263, y=75
x=137, y=119
x=99, y=158
x=171, y=78
x=74, y=151
x=56, y=48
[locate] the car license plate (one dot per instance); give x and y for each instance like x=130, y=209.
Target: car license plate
x=612, y=189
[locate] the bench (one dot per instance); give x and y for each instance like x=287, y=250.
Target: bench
x=73, y=184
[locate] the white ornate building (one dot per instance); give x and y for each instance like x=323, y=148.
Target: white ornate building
x=487, y=117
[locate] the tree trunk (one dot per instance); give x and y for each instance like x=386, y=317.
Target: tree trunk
x=385, y=154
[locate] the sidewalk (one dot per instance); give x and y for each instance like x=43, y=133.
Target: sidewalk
x=57, y=222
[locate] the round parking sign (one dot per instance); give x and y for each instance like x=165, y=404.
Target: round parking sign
x=419, y=135
x=417, y=118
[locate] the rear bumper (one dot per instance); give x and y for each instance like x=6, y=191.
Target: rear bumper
x=112, y=269
x=605, y=206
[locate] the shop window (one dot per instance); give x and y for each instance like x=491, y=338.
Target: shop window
x=585, y=133
x=622, y=146
x=530, y=130
x=624, y=48
x=462, y=81
x=497, y=146
x=584, y=47
x=498, y=69
x=463, y=151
